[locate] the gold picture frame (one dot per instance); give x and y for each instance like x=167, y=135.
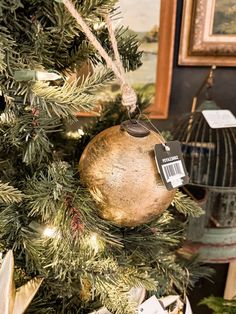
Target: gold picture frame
x=160, y=108
x=207, y=33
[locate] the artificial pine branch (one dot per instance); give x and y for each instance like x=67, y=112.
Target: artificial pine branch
x=54, y=34
x=115, y=299
x=9, y=194
x=10, y=225
x=79, y=54
x=2, y=55
x=71, y=98
x=128, y=43
x=164, y=229
x=95, y=82
x=29, y=134
x=185, y=205
x=96, y=7
x=7, y=118
x=55, y=193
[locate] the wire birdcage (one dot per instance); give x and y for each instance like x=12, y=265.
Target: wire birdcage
x=210, y=154
x=210, y=158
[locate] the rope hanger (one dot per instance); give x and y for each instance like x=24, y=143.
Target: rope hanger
x=129, y=97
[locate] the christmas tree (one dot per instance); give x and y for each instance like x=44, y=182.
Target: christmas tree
x=47, y=217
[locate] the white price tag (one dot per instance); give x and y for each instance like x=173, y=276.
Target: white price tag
x=170, y=164
x=151, y=306
x=219, y=118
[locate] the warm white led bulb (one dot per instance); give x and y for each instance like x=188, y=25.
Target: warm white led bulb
x=94, y=242
x=81, y=132
x=50, y=232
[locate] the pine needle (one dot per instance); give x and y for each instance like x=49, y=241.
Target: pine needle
x=9, y=194
x=185, y=205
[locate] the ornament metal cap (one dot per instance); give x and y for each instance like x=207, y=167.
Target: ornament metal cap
x=135, y=128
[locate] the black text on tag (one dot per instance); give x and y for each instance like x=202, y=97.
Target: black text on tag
x=171, y=165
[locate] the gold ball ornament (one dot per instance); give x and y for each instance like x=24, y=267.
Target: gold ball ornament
x=118, y=167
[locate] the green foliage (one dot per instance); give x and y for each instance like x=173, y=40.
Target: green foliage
x=220, y=305
x=127, y=46
x=8, y=194
x=83, y=247
x=6, y=44
x=185, y=205
x=29, y=134
x=55, y=99
x=43, y=35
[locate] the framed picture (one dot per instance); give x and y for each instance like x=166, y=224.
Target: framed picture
x=208, y=33
x=154, y=24
x=153, y=21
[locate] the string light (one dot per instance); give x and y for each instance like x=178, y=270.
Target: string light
x=33, y=75
x=94, y=242
x=50, y=232
x=97, y=26
x=75, y=134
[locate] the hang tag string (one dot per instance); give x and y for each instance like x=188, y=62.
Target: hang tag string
x=114, y=45
x=129, y=97
x=160, y=137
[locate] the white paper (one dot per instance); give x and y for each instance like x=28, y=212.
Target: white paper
x=151, y=306
x=219, y=118
x=188, y=307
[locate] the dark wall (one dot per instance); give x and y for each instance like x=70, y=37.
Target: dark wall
x=186, y=81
